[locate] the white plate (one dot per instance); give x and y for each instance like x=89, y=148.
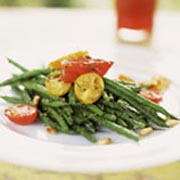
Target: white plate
x=32, y=146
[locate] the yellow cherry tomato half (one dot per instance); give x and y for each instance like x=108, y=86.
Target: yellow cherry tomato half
x=58, y=64
x=55, y=86
x=88, y=88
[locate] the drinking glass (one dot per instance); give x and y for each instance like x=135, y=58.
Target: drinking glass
x=135, y=20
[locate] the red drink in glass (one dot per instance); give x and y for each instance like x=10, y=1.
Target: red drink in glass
x=135, y=16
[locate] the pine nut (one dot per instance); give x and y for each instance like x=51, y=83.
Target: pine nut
x=36, y=100
x=104, y=141
x=50, y=130
x=172, y=123
x=146, y=131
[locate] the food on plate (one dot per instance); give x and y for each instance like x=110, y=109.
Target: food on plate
x=55, y=85
x=124, y=78
x=104, y=141
x=157, y=83
x=88, y=88
x=76, y=64
x=145, y=131
x=22, y=114
x=50, y=130
x=151, y=94
x=73, y=96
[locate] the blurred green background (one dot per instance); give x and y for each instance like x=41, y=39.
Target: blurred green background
x=162, y=4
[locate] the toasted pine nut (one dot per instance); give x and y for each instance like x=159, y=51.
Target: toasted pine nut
x=36, y=100
x=104, y=141
x=122, y=77
x=50, y=130
x=172, y=122
x=145, y=131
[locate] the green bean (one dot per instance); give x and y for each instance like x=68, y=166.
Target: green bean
x=26, y=97
x=134, y=123
x=63, y=109
x=95, y=109
x=149, y=115
x=112, y=105
x=54, y=125
x=122, y=109
x=123, y=104
x=22, y=93
x=122, y=123
x=141, y=108
x=124, y=117
x=41, y=90
x=110, y=117
x=154, y=113
x=68, y=119
x=79, y=119
x=129, y=95
x=105, y=96
x=16, y=89
x=50, y=122
x=23, y=69
x=68, y=110
x=81, y=110
x=12, y=100
x=55, y=104
x=25, y=76
x=90, y=127
x=66, y=114
x=71, y=97
x=110, y=110
x=58, y=118
x=40, y=80
x=138, y=124
x=131, y=86
x=156, y=127
x=117, y=128
x=101, y=106
x=85, y=133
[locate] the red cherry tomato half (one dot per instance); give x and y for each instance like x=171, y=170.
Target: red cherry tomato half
x=73, y=68
x=21, y=114
x=151, y=95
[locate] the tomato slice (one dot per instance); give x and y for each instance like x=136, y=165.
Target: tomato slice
x=72, y=68
x=151, y=95
x=22, y=114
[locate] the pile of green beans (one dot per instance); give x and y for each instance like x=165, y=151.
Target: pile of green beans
x=120, y=108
